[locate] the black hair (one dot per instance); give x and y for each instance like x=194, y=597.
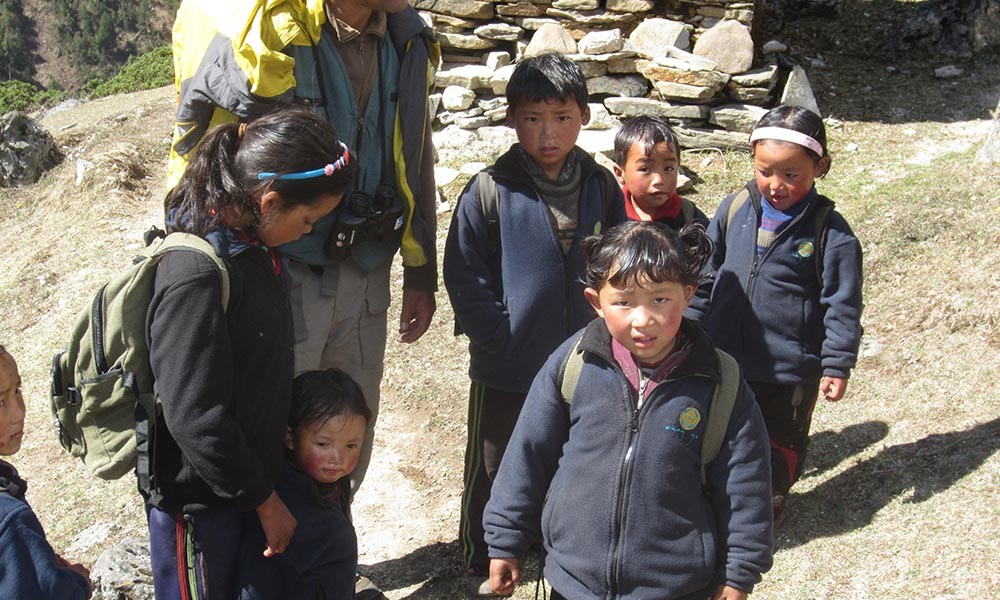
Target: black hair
x=221, y=177
x=646, y=130
x=638, y=250
x=797, y=118
x=318, y=396
x=545, y=78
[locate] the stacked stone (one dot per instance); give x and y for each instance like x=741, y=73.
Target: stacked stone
x=688, y=61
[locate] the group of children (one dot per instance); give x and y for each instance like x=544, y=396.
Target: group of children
x=609, y=481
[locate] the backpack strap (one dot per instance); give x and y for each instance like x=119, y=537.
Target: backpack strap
x=824, y=208
x=720, y=411
x=189, y=241
x=739, y=200
x=569, y=375
x=486, y=187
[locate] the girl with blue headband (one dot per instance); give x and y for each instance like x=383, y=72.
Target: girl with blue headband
x=223, y=370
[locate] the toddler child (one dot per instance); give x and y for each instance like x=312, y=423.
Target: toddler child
x=647, y=161
x=29, y=568
x=325, y=433
x=782, y=291
x=517, y=302
x=611, y=482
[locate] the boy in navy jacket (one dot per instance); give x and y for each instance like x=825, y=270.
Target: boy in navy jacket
x=519, y=301
x=29, y=568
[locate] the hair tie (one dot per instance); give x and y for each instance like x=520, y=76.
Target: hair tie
x=326, y=170
x=241, y=130
x=786, y=135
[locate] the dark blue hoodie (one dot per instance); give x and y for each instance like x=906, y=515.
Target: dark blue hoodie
x=615, y=492
x=518, y=304
x=771, y=312
x=28, y=569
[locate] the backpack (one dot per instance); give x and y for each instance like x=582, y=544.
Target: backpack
x=720, y=409
x=102, y=401
x=821, y=216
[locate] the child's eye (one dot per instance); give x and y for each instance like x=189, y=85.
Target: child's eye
x=620, y=303
x=352, y=446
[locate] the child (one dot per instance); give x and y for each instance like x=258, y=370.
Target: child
x=611, y=483
x=647, y=160
x=323, y=440
x=224, y=376
x=794, y=334
x=519, y=301
x=29, y=568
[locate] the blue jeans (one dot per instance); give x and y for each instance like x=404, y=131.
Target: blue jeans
x=194, y=556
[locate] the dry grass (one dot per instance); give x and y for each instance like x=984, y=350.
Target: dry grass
x=899, y=497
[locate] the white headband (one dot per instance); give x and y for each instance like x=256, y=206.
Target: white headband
x=786, y=135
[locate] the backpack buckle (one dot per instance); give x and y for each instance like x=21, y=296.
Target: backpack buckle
x=73, y=397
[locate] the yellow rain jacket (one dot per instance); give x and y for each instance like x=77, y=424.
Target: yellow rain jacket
x=234, y=59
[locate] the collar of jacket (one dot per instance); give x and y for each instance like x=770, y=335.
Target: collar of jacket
x=507, y=168
x=756, y=198
x=11, y=482
x=702, y=361
x=406, y=25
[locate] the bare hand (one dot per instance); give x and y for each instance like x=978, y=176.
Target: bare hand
x=505, y=573
x=78, y=569
x=278, y=524
x=833, y=388
x=725, y=592
x=415, y=317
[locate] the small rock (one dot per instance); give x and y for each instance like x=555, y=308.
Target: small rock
x=948, y=71
x=774, y=47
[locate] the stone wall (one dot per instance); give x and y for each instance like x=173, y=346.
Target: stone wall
x=692, y=62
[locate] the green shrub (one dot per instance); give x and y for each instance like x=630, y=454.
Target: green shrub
x=16, y=95
x=147, y=71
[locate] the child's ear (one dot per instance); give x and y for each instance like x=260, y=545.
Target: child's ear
x=270, y=202
x=823, y=167
x=595, y=300
x=289, y=440
x=508, y=120
x=619, y=173
x=689, y=291
x=586, y=115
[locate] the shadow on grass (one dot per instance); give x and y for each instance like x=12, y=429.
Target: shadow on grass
x=438, y=569
x=828, y=449
x=850, y=500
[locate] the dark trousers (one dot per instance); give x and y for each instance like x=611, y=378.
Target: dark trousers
x=194, y=556
x=787, y=411
x=492, y=416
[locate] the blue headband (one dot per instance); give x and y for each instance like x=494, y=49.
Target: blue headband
x=330, y=169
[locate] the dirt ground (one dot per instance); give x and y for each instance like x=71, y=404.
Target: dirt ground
x=899, y=495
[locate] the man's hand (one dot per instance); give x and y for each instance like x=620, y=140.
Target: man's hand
x=725, y=592
x=415, y=318
x=278, y=524
x=505, y=573
x=833, y=388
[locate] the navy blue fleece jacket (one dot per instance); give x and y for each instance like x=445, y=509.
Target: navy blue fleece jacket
x=519, y=303
x=771, y=312
x=28, y=568
x=615, y=493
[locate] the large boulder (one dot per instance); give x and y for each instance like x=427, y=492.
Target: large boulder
x=27, y=150
x=123, y=572
x=953, y=27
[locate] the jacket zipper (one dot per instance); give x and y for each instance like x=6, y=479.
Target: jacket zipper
x=626, y=474
x=758, y=260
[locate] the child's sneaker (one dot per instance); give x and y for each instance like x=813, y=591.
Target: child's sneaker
x=364, y=589
x=478, y=582
x=778, y=505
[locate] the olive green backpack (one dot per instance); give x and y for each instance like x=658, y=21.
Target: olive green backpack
x=102, y=385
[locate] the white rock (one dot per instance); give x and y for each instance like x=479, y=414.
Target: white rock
x=600, y=118
x=445, y=175
x=457, y=98
x=798, y=92
x=652, y=37
x=471, y=168
x=774, y=47
x=473, y=77
x=729, y=44
x=498, y=82
x=948, y=71
x=551, y=38
x=495, y=60
x=602, y=42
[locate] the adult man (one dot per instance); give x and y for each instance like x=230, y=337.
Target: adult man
x=368, y=65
